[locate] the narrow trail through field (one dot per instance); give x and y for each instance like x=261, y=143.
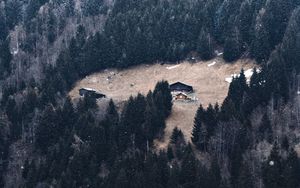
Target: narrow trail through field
x=207, y=78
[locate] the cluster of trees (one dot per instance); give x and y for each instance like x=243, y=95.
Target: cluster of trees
x=279, y=171
x=169, y=30
x=78, y=145
x=5, y=55
x=165, y=31
x=74, y=147
x=230, y=132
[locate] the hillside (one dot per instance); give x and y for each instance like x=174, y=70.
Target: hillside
x=51, y=137
x=207, y=78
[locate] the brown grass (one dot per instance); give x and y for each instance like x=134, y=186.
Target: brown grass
x=208, y=82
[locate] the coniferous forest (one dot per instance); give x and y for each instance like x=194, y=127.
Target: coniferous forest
x=251, y=140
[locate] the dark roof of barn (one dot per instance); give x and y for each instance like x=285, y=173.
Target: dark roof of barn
x=181, y=86
x=92, y=92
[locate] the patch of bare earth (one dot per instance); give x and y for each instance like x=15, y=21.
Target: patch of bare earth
x=208, y=82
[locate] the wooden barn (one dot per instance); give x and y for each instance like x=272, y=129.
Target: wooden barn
x=91, y=93
x=182, y=96
x=181, y=87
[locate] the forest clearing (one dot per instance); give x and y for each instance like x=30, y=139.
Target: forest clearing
x=209, y=80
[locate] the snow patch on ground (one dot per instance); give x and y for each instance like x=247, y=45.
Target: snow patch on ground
x=89, y=89
x=172, y=67
x=248, y=73
x=229, y=79
x=211, y=64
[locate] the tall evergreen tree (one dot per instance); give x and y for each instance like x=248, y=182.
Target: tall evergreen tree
x=291, y=171
x=214, y=174
x=265, y=129
x=261, y=46
x=197, y=125
x=188, y=171
x=5, y=58
x=246, y=178
x=205, y=45
x=272, y=169
x=232, y=46
x=163, y=98
x=92, y=7
x=48, y=130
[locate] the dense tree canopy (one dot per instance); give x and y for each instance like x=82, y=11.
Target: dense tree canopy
x=249, y=141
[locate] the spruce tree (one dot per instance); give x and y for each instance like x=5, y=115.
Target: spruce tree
x=163, y=98
x=245, y=179
x=177, y=137
x=197, y=125
x=214, y=174
x=91, y=7
x=188, y=173
x=265, y=129
x=68, y=115
x=48, y=130
x=205, y=45
x=272, y=169
x=3, y=25
x=285, y=143
x=291, y=171
x=232, y=46
x=245, y=18
x=290, y=47
x=261, y=47
x=5, y=58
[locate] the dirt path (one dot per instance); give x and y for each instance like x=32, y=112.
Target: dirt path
x=208, y=82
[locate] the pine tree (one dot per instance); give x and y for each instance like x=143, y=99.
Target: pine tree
x=265, y=129
x=173, y=181
x=13, y=11
x=154, y=123
x=290, y=47
x=92, y=7
x=245, y=18
x=197, y=125
x=245, y=179
x=51, y=27
x=285, y=143
x=188, y=171
x=205, y=45
x=210, y=120
x=214, y=174
x=177, y=137
x=272, y=169
x=261, y=47
x=70, y=7
x=200, y=134
x=276, y=16
x=277, y=78
x=228, y=110
x=68, y=114
x=111, y=121
x=47, y=131
x=202, y=143
x=170, y=153
x=3, y=25
x=291, y=170
x=5, y=58
x=232, y=46
x=163, y=98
